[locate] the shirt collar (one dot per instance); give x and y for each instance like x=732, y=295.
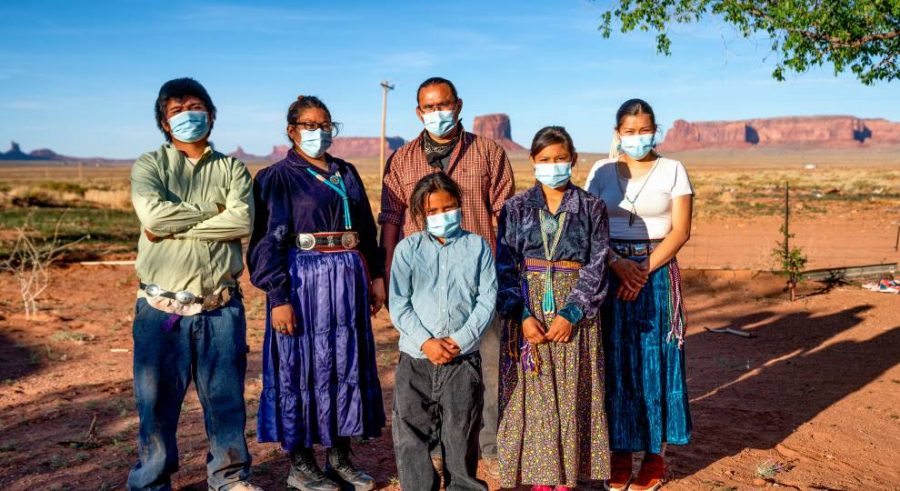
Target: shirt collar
x=172, y=151
x=447, y=240
x=463, y=136
x=571, y=201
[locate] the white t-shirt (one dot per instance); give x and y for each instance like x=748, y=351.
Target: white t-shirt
x=653, y=206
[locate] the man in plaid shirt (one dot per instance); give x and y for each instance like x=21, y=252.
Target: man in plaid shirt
x=481, y=168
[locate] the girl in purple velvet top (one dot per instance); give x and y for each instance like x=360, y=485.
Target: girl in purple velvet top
x=314, y=253
x=551, y=274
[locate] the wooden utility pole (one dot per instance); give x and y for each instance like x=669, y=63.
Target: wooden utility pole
x=386, y=87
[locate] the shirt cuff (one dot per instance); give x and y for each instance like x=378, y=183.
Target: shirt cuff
x=277, y=298
x=419, y=338
x=463, y=340
x=572, y=313
x=526, y=312
x=209, y=210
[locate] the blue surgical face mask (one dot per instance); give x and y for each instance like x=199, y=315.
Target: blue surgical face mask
x=553, y=175
x=444, y=224
x=189, y=126
x=439, y=123
x=314, y=142
x=637, y=146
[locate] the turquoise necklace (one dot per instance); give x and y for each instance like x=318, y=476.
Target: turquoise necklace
x=550, y=226
x=337, y=184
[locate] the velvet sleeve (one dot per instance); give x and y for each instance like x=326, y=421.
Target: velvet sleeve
x=510, y=302
x=267, y=259
x=590, y=289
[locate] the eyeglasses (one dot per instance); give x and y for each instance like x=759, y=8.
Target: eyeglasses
x=333, y=127
x=443, y=106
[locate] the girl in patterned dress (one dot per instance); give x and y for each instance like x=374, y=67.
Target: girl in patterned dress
x=551, y=267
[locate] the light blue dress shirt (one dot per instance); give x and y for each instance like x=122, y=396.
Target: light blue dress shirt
x=442, y=290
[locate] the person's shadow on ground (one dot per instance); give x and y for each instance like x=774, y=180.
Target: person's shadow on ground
x=786, y=357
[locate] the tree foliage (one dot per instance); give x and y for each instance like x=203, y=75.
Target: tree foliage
x=862, y=36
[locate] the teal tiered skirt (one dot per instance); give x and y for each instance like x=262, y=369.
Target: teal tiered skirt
x=646, y=389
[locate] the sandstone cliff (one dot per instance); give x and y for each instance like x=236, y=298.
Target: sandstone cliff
x=807, y=132
x=497, y=128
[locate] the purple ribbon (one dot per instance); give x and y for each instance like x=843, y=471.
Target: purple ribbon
x=169, y=324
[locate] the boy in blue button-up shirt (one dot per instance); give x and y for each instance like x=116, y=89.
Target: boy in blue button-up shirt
x=443, y=294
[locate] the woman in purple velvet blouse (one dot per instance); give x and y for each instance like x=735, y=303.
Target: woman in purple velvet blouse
x=314, y=252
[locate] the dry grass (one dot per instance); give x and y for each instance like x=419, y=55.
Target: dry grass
x=728, y=184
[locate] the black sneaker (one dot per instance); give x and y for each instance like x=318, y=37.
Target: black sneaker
x=306, y=475
x=338, y=464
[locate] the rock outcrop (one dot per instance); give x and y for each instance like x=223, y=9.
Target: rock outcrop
x=349, y=147
x=360, y=147
x=806, y=132
x=497, y=128
x=243, y=156
x=15, y=153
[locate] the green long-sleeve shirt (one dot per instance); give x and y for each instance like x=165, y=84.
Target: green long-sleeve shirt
x=173, y=196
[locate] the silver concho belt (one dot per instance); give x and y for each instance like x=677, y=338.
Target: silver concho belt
x=328, y=241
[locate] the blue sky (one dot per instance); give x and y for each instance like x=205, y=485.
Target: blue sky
x=81, y=77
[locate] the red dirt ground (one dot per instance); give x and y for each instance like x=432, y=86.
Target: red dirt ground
x=814, y=393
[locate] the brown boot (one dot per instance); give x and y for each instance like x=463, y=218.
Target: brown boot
x=620, y=472
x=651, y=475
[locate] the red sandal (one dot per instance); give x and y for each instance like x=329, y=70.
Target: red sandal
x=652, y=474
x=620, y=472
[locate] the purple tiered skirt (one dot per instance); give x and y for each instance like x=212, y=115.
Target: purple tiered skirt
x=321, y=383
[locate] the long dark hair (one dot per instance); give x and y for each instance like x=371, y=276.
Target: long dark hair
x=631, y=107
x=551, y=135
x=431, y=183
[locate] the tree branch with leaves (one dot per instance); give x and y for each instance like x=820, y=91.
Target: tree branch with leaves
x=862, y=36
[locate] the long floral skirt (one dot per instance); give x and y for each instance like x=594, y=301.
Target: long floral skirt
x=552, y=421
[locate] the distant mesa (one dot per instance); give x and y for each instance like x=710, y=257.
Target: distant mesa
x=15, y=153
x=497, y=128
x=826, y=132
x=347, y=147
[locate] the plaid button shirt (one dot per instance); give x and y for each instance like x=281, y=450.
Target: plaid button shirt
x=480, y=167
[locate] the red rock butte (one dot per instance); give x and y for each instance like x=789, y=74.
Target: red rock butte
x=497, y=128
x=347, y=147
x=807, y=132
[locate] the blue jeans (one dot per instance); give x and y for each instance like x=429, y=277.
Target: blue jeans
x=212, y=348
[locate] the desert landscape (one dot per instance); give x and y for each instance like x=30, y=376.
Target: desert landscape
x=811, y=400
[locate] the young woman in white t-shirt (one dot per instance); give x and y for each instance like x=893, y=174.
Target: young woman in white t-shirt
x=649, y=200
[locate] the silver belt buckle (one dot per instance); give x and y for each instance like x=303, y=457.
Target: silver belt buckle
x=349, y=240
x=640, y=249
x=185, y=298
x=306, y=242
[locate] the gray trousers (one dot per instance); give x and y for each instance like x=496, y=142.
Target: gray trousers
x=437, y=406
x=490, y=370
